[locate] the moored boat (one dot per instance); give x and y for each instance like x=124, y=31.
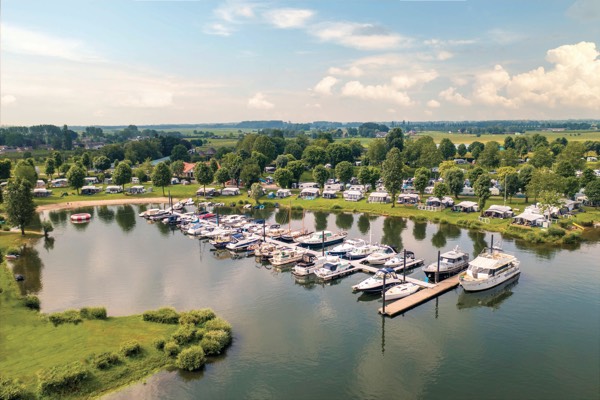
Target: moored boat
x=321, y=238
x=243, y=242
x=491, y=268
x=358, y=253
x=287, y=256
x=375, y=283
x=400, y=291
x=380, y=256
x=348, y=245
x=451, y=263
x=310, y=263
x=334, y=269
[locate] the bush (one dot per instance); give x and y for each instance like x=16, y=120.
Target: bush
x=587, y=224
x=32, y=302
x=93, y=312
x=131, y=348
x=241, y=202
x=211, y=347
x=572, y=237
x=165, y=315
x=191, y=359
x=336, y=207
x=217, y=324
x=159, y=344
x=106, y=360
x=11, y=389
x=62, y=380
x=196, y=317
x=214, y=342
x=565, y=223
x=556, y=231
x=171, y=349
x=184, y=334
x=69, y=316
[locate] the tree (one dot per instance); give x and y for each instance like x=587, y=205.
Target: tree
x=18, y=202
x=5, y=167
x=509, y=143
x=256, y=191
x=511, y=184
x=456, y=181
x=509, y=158
x=446, y=166
x=58, y=160
x=564, y=168
x=222, y=176
x=86, y=160
x=294, y=149
x=260, y=159
x=482, y=190
x=26, y=171
x=440, y=190
x=587, y=176
x=204, y=174
x=571, y=186
x=544, y=179
x=364, y=175
x=161, y=176
x=542, y=157
x=64, y=168
x=76, y=177
x=421, y=181
x=214, y=165
x=314, y=155
x=180, y=152
x=573, y=153
x=283, y=177
x=377, y=151
x=489, y=157
x=296, y=168
x=102, y=163
x=462, y=150
x=592, y=191
x=392, y=172
x=320, y=175
x=447, y=148
x=475, y=173
x=49, y=167
x=177, y=168
x=47, y=227
x=250, y=173
x=232, y=163
x=525, y=174
x=339, y=152
x=395, y=138
x=281, y=161
x=123, y=173
x=476, y=148
x=344, y=171
x=265, y=146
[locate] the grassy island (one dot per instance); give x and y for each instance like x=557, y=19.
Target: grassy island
x=85, y=353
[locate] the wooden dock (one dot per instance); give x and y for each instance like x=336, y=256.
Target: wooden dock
x=422, y=296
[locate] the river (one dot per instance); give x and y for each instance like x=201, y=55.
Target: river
x=537, y=338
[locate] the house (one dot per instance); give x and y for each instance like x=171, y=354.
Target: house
x=210, y=152
x=113, y=189
x=359, y=188
x=447, y=201
x=466, y=206
x=309, y=193
x=283, y=193
x=379, y=197
x=188, y=170
x=571, y=205
x=353, y=195
x=336, y=187
x=90, y=189
x=210, y=191
x=137, y=189
x=496, y=211
x=42, y=192
x=230, y=191
x=408, y=198
x=329, y=193
x=60, y=182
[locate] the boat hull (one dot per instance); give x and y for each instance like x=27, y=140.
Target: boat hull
x=321, y=244
x=443, y=274
x=396, y=293
x=485, y=284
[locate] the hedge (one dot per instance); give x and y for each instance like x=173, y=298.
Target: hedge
x=62, y=380
x=11, y=389
x=217, y=324
x=131, y=348
x=93, y=313
x=165, y=315
x=106, y=360
x=196, y=317
x=69, y=316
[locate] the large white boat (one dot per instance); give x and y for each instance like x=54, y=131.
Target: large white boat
x=321, y=238
x=242, y=243
x=310, y=263
x=451, y=263
x=348, y=245
x=375, y=282
x=489, y=269
x=287, y=256
x=358, y=253
x=401, y=291
x=398, y=260
x=332, y=269
x=383, y=254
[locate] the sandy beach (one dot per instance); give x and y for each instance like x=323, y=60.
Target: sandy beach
x=91, y=203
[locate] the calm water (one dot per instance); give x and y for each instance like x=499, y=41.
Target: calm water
x=538, y=338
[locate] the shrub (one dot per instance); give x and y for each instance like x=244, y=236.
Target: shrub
x=93, y=312
x=241, y=202
x=565, y=223
x=336, y=207
x=32, y=302
x=556, y=231
x=214, y=342
x=165, y=315
x=196, y=317
x=62, y=380
x=131, y=348
x=11, y=389
x=171, y=349
x=6, y=228
x=191, y=359
x=211, y=347
x=200, y=332
x=184, y=334
x=159, y=344
x=106, y=360
x=572, y=237
x=217, y=324
x=587, y=224
x=68, y=316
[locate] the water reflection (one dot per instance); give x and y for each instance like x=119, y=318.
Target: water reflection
x=30, y=266
x=491, y=298
x=297, y=214
x=363, y=224
x=58, y=217
x=392, y=231
x=344, y=221
x=107, y=215
x=438, y=240
x=450, y=231
x=419, y=230
x=49, y=243
x=282, y=216
x=125, y=218
x=479, y=242
x=320, y=220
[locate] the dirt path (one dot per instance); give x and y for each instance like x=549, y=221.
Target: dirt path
x=90, y=203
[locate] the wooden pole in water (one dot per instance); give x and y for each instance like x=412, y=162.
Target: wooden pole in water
x=404, y=268
x=383, y=293
x=264, y=231
x=492, y=245
x=437, y=271
x=323, y=243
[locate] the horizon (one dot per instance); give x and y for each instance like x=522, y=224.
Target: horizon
x=149, y=62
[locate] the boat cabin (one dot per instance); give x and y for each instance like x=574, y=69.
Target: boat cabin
x=496, y=211
x=379, y=197
x=466, y=206
x=408, y=198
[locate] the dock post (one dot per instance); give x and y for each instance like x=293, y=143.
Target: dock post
x=404, y=268
x=323, y=243
x=437, y=271
x=383, y=294
x=264, y=232
x=492, y=245
x=217, y=210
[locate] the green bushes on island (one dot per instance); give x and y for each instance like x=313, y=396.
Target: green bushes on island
x=32, y=302
x=196, y=317
x=184, y=335
x=93, y=313
x=106, y=360
x=12, y=389
x=131, y=349
x=191, y=359
x=65, y=317
x=165, y=315
x=60, y=380
x=171, y=349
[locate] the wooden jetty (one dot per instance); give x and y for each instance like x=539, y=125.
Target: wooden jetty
x=420, y=297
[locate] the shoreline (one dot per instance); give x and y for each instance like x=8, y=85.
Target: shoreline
x=93, y=203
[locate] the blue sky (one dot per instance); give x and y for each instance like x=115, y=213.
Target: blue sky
x=105, y=62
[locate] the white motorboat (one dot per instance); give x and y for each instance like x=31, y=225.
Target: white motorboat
x=189, y=202
x=400, y=291
x=310, y=263
x=265, y=250
x=150, y=212
x=451, y=263
x=382, y=255
x=321, y=238
x=489, y=269
x=397, y=262
x=287, y=256
x=348, y=245
x=214, y=232
x=332, y=269
x=221, y=241
x=178, y=206
x=159, y=215
x=375, y=282
x=358, y=253
x=242, y=243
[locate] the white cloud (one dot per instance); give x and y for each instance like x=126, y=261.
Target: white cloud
x=325, y=85
x=23, y=41
x=218, y=29
x=451, y=96
x=259, y=102
x=234, y=11
x=433, y=104
x=352, y=71
x=359, y=36
x=147, y=99
x=489, y=85
x=585, y=10
x=412, y=78
x=376, y=92
x=7, y=99
x=444, y=55
x=289, y=17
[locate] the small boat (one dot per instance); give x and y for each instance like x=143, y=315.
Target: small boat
x=189, y=202
x=82, y=217
x=451, y=263
x=178, y=206
x=149, y=213
x=333, y=269
x=291, y=236
x=242, y=243
x=398, y=260
x=159, y=215
x=375, y=282
x=358, y=253
x=265, y=250
x=287, y=256
x=206, y=215
x=491, y=268
x=221, y=241
x=310, y=263
x=321, y=238
x=348, y=245
x=382, y=255
x=400, y=291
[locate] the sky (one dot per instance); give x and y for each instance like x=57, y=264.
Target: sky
x=120, y=62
